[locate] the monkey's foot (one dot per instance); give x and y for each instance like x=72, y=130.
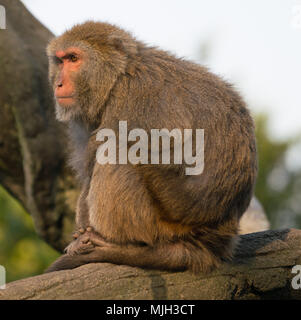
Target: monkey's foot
x=85, y=240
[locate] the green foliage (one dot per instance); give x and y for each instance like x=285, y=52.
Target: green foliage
x=277, y=186
x=22, y=253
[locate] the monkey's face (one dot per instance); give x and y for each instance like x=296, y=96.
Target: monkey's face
x=67, y=68
x=84, y=65
x=68, y=63
x=82, y=77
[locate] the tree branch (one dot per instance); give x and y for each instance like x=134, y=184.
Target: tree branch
x=32, y=142
x=261, y=270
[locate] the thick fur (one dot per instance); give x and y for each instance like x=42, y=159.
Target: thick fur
x=154, y=215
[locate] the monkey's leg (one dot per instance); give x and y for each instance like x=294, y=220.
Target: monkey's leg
x=171, y=256
x=84, y=241
x=164, y=256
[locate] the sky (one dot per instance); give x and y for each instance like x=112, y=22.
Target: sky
x=254, y=44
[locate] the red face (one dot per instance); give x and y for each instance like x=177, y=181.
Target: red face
x=69, y=62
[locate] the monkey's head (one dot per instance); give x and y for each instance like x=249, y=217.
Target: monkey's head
x=84, y=64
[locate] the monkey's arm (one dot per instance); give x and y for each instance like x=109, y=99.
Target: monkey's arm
x=81, y=218
x=82, y=211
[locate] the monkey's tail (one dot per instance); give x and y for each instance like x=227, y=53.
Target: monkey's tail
x=66, y=261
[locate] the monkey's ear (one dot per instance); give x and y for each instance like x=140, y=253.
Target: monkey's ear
x=124, y=43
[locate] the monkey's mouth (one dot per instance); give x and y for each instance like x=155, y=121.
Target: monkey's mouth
x=65, y=100
x=65, y=97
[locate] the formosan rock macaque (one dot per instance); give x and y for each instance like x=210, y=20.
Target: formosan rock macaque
x=150, y=215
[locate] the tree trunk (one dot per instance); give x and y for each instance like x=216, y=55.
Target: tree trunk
x=261, y=269
x=32, y=142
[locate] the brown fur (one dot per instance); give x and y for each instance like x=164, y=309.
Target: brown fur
x=155, y=216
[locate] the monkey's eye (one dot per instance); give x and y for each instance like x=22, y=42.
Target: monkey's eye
x=73, y=58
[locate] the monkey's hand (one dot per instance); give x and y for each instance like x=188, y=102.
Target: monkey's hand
x=85, y=240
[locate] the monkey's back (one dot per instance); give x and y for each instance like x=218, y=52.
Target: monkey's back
x=162, y=91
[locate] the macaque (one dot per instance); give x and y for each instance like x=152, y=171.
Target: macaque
x=150, y=215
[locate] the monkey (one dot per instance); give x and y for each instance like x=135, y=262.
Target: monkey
x=145, y=215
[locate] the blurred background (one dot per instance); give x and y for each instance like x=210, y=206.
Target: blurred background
x=256, y=45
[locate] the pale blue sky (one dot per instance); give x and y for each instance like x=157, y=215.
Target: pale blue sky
x=254, y=44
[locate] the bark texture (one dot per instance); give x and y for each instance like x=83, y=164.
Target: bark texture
x=32, y=142
x=262, y=269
